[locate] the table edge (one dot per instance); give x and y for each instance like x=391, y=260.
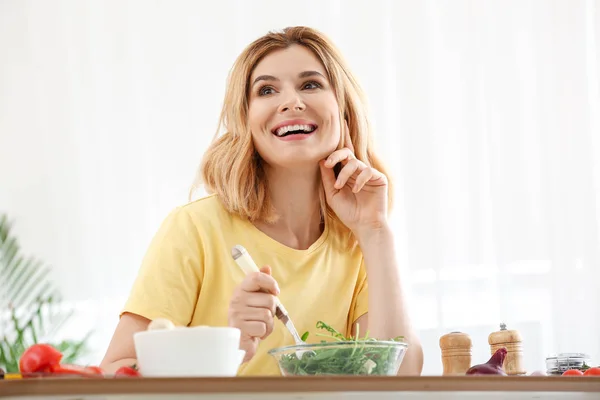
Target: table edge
x=114, y=386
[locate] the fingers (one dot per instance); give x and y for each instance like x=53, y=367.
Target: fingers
x=365, y=176
x=257, y=313
x=253, y=321
x=259, y=306
x=339, y=156
x=249, y=345
x=352, y=167
x=243, y=300
x=328, y=179
x=266, y=269
x=261, y=300
x=252, y=308
x=260, y=281
x=257, y=329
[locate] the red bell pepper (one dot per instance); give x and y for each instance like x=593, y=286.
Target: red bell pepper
x=39, y=358
x=76, y=370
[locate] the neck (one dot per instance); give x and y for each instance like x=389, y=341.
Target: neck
x=295, y=197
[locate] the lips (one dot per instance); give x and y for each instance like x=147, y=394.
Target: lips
x=294, y=127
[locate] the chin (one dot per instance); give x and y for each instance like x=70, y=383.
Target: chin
x=297, y=161
x=296, y=156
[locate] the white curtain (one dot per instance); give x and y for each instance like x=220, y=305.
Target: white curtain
x=487, y=111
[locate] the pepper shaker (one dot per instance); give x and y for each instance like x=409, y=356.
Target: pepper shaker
x=456, y=353
x=513, y=342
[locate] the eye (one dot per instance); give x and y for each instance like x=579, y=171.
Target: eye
x=265, y=91
x=311, y=85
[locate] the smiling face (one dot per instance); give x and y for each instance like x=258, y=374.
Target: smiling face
x=293, y=113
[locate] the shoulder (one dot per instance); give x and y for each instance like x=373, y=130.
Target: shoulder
x=201, y=217
x=205, y=208
x=190, y=229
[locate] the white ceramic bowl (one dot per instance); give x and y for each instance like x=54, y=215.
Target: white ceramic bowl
x=187, y=352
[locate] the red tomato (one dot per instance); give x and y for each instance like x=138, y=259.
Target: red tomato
x=39, y=358
x=595, y=371
x=572, y=372
x=127, y=372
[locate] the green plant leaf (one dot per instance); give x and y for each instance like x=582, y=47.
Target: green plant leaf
x=30, y=306
x=9, y=251
x=72, y=350
x=32, y=286
x=7, y=362
x=24, y=275
x=10, y=268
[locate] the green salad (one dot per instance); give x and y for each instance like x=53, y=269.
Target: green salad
x=353, y=355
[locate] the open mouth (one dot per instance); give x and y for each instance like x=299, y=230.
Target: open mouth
x=294, y=130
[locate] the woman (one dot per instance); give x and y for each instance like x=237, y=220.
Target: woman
x=295, y=180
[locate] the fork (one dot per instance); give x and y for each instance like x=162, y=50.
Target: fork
x=247, y=264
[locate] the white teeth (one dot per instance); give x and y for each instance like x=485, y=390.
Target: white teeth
x=285, y=129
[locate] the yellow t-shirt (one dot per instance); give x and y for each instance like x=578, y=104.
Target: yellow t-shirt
x=188, y=276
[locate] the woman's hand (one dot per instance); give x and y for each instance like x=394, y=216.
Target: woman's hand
x=359, y=195
x=252, y=309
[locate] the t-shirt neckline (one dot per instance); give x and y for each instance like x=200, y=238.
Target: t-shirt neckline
x=282, y=248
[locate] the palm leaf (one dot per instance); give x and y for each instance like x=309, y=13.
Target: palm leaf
x=7, y=359
x=9, y=250
x=32, y=285
x=4, y=227
x=30, y=306
x=72, y=349
x=25, y=275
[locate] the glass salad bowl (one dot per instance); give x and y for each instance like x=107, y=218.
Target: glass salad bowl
x=362, y=357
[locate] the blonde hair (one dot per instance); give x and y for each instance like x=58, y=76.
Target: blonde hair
x=230, y=167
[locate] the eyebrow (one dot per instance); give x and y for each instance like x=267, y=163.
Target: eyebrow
x=304, y=74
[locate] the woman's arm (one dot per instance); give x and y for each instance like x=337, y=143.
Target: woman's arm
x=388, y=314
x=166, y=286
x=121, y=351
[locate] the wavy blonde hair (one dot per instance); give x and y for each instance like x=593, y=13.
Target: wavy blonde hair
x=231, y=168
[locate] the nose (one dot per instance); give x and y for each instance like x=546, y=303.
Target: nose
x=292, y=102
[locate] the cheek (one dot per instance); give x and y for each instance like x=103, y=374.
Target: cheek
x=253, y=119
x=335, y=128
x=258, y=113
x=332, y=141
x=331, y=108
x=336, y=141
x=256, y=123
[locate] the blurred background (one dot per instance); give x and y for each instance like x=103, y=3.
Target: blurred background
x=488, y=113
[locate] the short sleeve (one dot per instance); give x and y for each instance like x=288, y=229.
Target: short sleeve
x=360, y=298
x=169, y=279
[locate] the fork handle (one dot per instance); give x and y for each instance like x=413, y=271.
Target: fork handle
x=246, y=263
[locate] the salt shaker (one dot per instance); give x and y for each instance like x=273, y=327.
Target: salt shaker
x=456, y=353
x=512, y=341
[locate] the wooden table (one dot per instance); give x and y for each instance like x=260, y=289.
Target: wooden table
x=310, y=388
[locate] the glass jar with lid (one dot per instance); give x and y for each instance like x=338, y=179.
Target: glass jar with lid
x=556, y=364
